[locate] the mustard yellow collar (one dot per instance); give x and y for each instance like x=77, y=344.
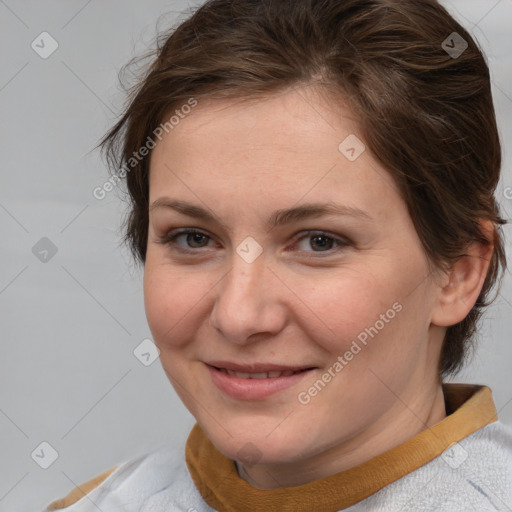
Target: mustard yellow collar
x=469, y=408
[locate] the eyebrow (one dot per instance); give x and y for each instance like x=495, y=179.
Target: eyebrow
x=277, y=218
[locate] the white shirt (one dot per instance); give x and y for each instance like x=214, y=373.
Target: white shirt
x=474, y=475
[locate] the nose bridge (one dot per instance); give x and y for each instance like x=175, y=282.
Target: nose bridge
x=244, y=304
x=245, y=284
x=248, y=270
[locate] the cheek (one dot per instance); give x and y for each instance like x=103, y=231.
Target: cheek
x=172, y=302
x=348, y=307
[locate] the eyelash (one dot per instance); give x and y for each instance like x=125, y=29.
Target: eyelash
x=170, y=240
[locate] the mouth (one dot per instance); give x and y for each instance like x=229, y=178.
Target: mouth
x=256, y=381
x=261, y=375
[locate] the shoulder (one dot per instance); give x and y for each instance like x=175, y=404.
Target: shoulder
x=80, y=491
x=132, y=481
x=473, y=475
x=489, y=449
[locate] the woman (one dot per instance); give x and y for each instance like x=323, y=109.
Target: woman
x=312, y=198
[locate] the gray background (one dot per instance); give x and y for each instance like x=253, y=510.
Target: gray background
x=68, y=375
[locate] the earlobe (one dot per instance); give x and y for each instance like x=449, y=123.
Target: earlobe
x=464, y=281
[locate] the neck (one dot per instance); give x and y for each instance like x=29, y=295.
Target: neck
x=399, y=424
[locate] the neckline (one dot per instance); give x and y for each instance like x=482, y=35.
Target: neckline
x=216, y=477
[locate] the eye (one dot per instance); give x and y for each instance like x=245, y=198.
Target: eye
x=324, y=242
x=193, y=239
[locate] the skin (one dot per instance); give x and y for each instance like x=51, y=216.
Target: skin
x=298, y=302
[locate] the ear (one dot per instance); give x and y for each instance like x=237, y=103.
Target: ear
x=462, y=284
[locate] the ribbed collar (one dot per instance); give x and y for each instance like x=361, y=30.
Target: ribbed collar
x=470, y=407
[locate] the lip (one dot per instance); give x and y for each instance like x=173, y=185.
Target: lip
x=254, y=389
x=256, y=367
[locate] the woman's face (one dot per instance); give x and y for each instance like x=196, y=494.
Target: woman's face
x=343, y=296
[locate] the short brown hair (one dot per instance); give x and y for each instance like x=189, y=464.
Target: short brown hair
x=426, y=114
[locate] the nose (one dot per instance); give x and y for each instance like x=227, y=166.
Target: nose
x=249, y=305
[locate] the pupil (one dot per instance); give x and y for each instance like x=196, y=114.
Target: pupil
x=195, y=237
x=324, y=244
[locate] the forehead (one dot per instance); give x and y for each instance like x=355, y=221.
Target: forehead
x=283, y=119
x=284, y=146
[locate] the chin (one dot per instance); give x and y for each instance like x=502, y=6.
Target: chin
x=260, y=448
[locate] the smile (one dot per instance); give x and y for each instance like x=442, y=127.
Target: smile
x=263, y=381
x=259, y=375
